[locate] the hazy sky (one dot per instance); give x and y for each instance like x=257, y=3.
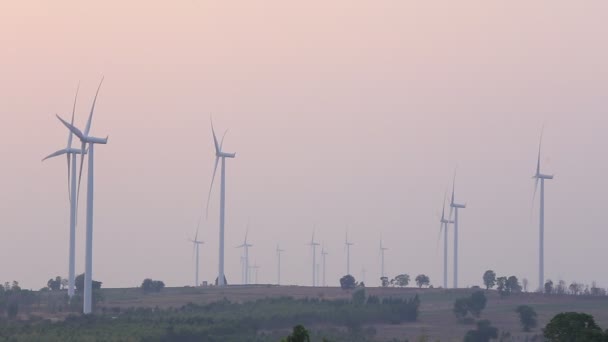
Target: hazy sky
x=340, y=112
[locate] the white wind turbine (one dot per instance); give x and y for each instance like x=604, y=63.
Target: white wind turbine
x=195, y=245
x=541, y=242
x=347, y=245
x=245, y=245
x=313, y=246
x=91, y=141
x=444, y=229
x=382, y=250
x=223, y=155
x=71, y=154
x=454, y=208
x=324, y=255
x=279, y=251
x=255, y=269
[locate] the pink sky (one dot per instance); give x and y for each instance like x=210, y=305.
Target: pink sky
x=342, y=112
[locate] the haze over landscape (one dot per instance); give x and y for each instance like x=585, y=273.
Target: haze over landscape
x=340, y=113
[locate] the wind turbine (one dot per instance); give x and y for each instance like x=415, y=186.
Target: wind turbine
x=444, y=228
x=255, y=268
x=71, y=154
x=324, y=255
x=245, y=247
x=541, y=242
x=223, y=155
x=347, y=245
x=382, y=250
x=195, y=244
x=85, y=139
x=454, y=208
x=314, y=245
x=279, y=251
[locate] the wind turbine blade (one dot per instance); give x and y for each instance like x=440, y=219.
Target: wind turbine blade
x=80, y=173
x=217, y=146
x=443, y=206
x=55, y=154
x=72, y=128
x=211, y=186
x=88, y=127
x=73, y=113
x=222, y=141
x=539, y=147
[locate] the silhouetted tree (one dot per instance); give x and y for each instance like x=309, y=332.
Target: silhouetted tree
x=549, y=287
x=489, y=279
x=384, y=281
x=149, y=285
x=79, y=283
x=422, y=280
x=527, y=317
x=573, y=326
x=299, y=334
x=477, y=303
x=401, y=280
x=54, y=284
x=524, y=283
x=348, y=282
x=512, y=285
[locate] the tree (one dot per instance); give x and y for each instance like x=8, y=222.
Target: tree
x=402, y=280
x=422, y=280
x=548, y=287
x=512, y=285
x=461, y=308
x=573, y=327
x=477, y=303
x=79, y=283
x=524, y=283
x=501, y=285
x=348, y=282
x=149, y=285
x=489, y=279
x=54, y=284
x=527, y=317
x=384, y=281
x=560, y=289
x=299, y=334
x=484, y=333
x=575, y=288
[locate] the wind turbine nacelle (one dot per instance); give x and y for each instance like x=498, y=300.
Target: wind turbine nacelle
x=459, y=206
x=541, y=176
x=95, y=140
x=75, y=151
x=226, y=155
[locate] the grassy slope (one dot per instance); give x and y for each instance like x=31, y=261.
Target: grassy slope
x=436, y=318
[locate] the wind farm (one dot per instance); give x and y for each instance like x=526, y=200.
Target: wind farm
x=337, y=130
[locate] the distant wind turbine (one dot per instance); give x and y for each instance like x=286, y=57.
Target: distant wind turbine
x=313, y=246
x=85, y=139
x=71, y=154
x=444, y=228
x=454, y=208
x=219, y=153
x=324, y=255
x=195, y=245
x=541, y=241
x=347, y=245
x=382, y=250
x=245, y=246
x=279, y=251
x=255, y=269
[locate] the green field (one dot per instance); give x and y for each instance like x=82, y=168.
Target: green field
x=265, y=314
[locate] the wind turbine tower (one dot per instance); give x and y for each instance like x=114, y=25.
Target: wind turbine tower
x=220, y=154
x=444, y=228
x=196, y=244
x=91, y=141
x=71, y=154
x=347, y=245
x=382, y=250
x=245, y=247
x=324, y=255
x=454, y=208
x=541, y=241
x=313, y=246
x=279, y=251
